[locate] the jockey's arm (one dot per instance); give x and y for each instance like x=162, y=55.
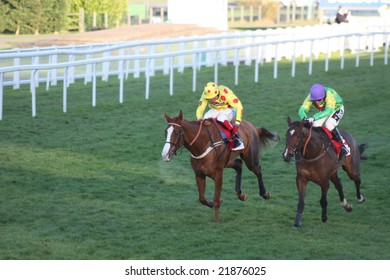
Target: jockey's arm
x=239, y=113
x=323, y=114
x=236, y=104
x=201, y=107
x=305, y=107
x=330, y=107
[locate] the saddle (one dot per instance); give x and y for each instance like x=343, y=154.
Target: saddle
x=336, y=144
x=225, y=133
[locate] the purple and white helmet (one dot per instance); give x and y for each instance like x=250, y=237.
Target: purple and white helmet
x=317, y=92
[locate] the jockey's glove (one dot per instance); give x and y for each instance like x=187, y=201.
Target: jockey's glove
x=308, y=122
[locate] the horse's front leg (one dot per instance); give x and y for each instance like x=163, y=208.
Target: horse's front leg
x=217, y=193
x=301, y=186
x=201, y=183
x=323, y=201
x=237, y=166
x=337, y=183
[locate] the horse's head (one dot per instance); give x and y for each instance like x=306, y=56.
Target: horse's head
x=173, y=136
x=294, y=139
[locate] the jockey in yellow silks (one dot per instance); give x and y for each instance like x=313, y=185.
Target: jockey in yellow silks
x=224, y=106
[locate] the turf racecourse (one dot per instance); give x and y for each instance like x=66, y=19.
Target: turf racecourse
x=90, y=184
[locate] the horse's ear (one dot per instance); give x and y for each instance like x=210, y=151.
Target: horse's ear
x=289, y=121
x=167, y=117
x=180, y=115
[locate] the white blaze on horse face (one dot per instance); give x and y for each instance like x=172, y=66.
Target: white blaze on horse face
x=285, y=154
x=165, y=152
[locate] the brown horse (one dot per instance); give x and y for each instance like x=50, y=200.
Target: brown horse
x=317, y=161
x=210, y=154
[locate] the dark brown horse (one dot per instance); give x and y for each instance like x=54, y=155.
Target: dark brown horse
x=317, y=161
x=210, y=154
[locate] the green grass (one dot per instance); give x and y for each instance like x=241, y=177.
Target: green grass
x=90, y=184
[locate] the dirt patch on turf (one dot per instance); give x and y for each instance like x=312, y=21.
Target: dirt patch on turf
x=120, y=34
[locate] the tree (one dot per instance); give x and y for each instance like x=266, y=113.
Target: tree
x=115, y=9
x=33, y=16
x=53, y=15
x=4, y=10
x=57, y=18
x=17, y=15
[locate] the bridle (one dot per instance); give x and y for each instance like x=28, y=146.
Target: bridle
x=181, y=135
x=302, y=145
x=295, y=147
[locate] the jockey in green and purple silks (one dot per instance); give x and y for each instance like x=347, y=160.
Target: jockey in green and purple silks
x=224, y=106
x=330, y=111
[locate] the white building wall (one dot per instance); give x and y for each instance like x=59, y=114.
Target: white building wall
x=205, y=13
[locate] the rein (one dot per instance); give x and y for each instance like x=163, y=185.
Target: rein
x=307, y=141
x=197, y=135
x=208, y=150
x=317, y=157
x=305, y=145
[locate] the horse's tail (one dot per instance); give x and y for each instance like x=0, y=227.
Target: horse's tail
x=362, y=148
x=266, y=136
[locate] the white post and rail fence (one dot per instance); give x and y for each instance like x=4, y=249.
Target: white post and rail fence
x=67, y=64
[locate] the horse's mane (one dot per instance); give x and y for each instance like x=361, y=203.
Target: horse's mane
x=318, y=130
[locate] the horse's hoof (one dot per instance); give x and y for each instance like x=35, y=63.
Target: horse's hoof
x=216, y=204
x=324, y=219
x=209, y=204
x=242, y=197
x=296, y=226
x=361, y=199
x=266, y=195
x=348, y=208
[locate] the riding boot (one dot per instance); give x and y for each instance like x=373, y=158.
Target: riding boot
x=344, y=149
x=238, y=144
x=227, y=124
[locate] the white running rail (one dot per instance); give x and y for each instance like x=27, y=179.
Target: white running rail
x=66, y=64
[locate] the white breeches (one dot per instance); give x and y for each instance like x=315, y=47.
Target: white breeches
x=332, y=121
x=221, y=115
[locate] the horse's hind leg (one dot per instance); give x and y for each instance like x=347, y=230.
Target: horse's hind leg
x=337, y=183
x=263, y=192
x=359, y=197
x=237, y=166
x=252, y=162
x=355, y=176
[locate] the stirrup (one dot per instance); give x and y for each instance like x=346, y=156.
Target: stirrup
x=238, y=145
x=348, y=150
x=343, y=153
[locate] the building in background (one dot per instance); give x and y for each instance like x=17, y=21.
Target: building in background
x=205, y=13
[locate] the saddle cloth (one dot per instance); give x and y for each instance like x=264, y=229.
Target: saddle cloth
x=336, y=144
